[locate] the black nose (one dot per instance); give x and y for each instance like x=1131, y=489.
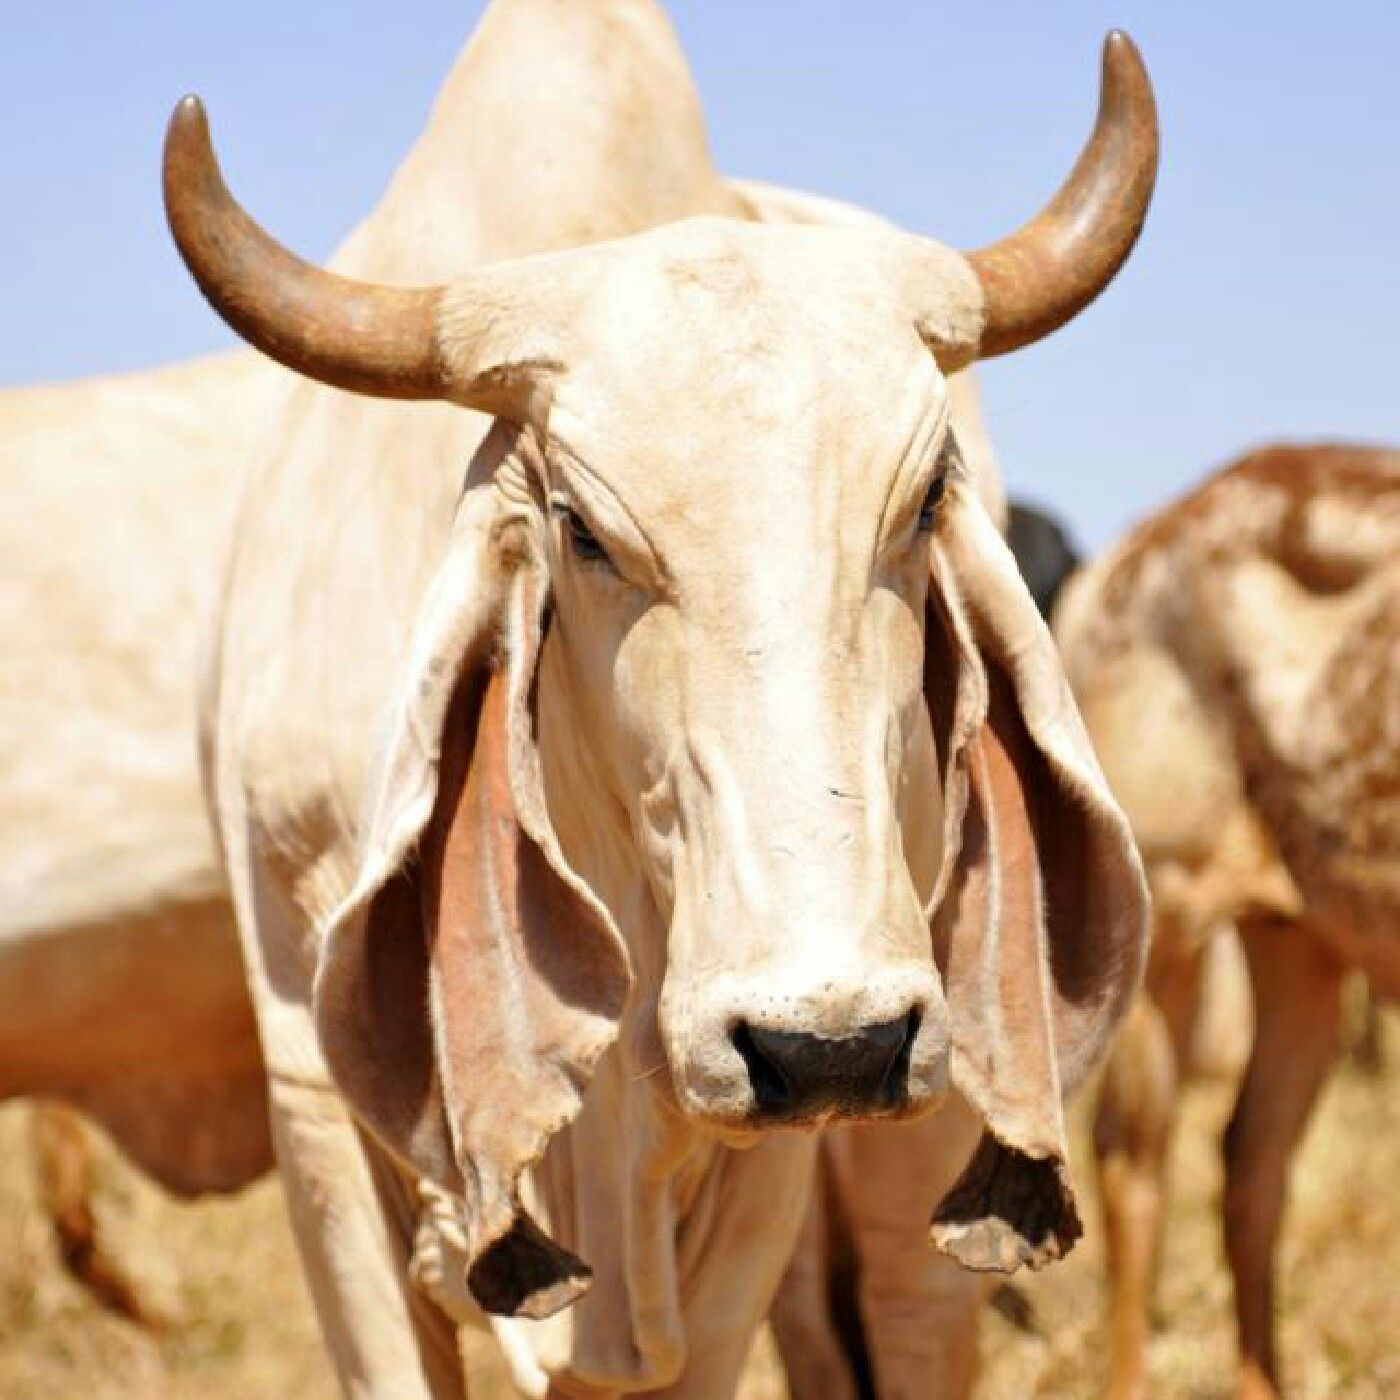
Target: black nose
x=797, y=1076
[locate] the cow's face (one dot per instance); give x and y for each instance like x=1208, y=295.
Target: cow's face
x=740, y=483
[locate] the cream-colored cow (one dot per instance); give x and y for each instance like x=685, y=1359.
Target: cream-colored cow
x=121, y=988
x=119, y=974
x=1237, y=661
x=597, y=794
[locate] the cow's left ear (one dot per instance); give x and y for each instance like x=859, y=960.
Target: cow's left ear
x=1040, y=914
x=471, y=980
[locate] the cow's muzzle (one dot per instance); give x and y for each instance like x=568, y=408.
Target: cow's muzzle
x=797, y=1077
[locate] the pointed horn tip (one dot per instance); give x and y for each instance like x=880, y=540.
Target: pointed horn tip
x=188, y=150
x=360, y=336
x=1123, y=75
x=188, y=120
x=1125, y=89
x=1118, y=46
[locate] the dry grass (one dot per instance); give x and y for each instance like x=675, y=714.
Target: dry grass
x=1339, y=1268
x=247, y=1329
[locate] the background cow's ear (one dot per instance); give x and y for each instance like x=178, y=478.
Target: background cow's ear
x=1040, y=914
x=470, y=981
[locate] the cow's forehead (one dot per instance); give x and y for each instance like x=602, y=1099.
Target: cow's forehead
x=718, y=364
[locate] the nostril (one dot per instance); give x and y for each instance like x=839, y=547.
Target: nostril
x=771, y=1090
x=895, y=1085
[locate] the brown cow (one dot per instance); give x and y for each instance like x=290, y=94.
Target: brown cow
x=1237, y=660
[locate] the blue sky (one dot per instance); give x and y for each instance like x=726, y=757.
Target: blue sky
x=1264, y=300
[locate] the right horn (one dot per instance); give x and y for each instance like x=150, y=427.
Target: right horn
x=1053, y=267
x=358, y=336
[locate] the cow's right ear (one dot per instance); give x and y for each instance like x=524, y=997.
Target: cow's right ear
x=471, y=980
x=1040, y=918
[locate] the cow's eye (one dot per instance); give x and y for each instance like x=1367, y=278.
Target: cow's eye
x=582, y=540
x=929, y=510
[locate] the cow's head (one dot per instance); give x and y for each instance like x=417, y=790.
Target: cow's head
x=727, y=697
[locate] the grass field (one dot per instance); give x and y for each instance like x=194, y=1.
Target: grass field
x=245, y=1327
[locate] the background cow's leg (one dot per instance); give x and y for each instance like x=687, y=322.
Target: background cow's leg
x=1368, y=1051
x=916, y=1309
x=816, y=1293
x=1297, y=997
x=1132, y=1133
x=65, y=1166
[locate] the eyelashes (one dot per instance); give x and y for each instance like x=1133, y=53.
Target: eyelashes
x=928, y=511
x=586, y=546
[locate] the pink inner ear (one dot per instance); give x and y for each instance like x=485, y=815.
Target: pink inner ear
x=526, y=991
x=998, y=775
x=990, y=928
x=996, y=972
x=998, y=763
x=470, y=857
x=486, y=898
x=1013, y=1204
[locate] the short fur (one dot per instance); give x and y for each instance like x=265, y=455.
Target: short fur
x=121, y=988
x=1237, y=658
x=729, y=403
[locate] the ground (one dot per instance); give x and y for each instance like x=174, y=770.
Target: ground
x=245, y=1328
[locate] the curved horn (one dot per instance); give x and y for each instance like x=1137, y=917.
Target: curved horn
x=354, y=335
x=1053, y=267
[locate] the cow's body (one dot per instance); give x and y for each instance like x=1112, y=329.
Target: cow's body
x=124, y=990
x=1237, y=660
x=119, y=975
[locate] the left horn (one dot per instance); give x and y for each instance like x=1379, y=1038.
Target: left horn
x=354, y=335
x=1052, y=268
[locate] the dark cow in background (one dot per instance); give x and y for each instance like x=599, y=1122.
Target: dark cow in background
x=1045, y=551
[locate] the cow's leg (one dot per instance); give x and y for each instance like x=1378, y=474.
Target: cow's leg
x=1369, y=1051
x=1297, y=997
x=353, y=1226
x=64, y=1165
x=386, y=1342
x=1132, y=1133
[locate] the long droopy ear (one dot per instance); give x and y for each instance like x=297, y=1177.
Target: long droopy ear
x=1040, y=914
x=470, y=981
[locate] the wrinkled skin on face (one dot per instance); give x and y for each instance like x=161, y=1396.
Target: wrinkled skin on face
x=732, y=681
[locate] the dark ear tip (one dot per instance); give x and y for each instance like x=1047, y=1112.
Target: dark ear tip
x=524, y=1273
x=1007, y=1210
